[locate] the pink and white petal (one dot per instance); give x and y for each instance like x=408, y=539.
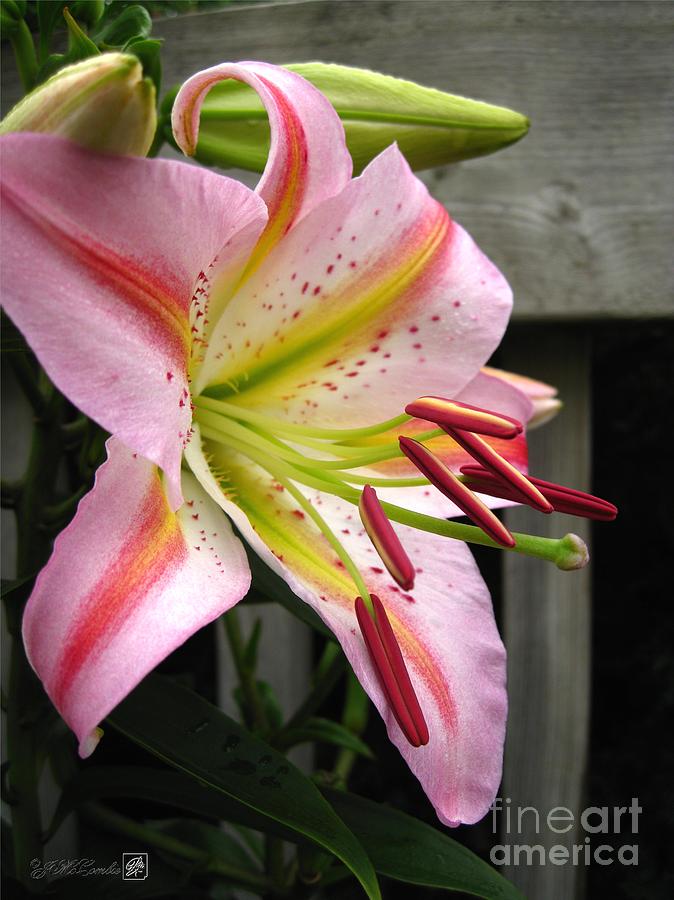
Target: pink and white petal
x=127, y=583
x=446, y=628
x=101, y=255
x=308, y=159
x=375, y=298
x=543, y=396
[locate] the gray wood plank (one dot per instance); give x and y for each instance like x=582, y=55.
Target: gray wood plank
x=578, y=214
x=547, y=628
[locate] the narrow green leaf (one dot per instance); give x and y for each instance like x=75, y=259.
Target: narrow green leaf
x=134, y=21
x=408, y=850
x=168, y=787
x=323, y=731
x=196, y=737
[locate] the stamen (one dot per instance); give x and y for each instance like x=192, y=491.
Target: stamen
x=563, y=499
x=392, y=672
x=480, y=450
x=453, y=414
x=386, y=542
x=448, y=484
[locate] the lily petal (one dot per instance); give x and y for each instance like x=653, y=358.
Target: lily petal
x=375, y=298
x=127, y=583
x=543, y=396
x=446, y=628
x=101, y=255
x=308, y=160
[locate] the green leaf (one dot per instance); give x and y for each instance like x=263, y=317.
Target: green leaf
x=212, y=840
x=323, y=731
x=79, y=45
x=196, y=737
x=133, y=21
x=408, y=850
x=168, y=787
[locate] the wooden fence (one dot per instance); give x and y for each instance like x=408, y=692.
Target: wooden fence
x=575, y=216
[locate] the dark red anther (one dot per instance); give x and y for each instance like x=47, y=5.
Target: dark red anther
x=453, y=414
x=391, y=670
x=448, y=484
x=563, y=499
x=385, y=540
x=483, y=453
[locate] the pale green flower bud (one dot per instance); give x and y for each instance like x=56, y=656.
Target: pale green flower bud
x=432, y=128
x=102, y=103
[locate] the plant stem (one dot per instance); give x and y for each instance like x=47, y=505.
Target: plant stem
x=354, y=717
x=255, y=707
x=112, y=821
x=24, y=691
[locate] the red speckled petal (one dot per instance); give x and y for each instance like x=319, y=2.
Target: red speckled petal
x=376, y=298
x=308, y=160
x=445, y=627
x=127, y=583
x=100, y=258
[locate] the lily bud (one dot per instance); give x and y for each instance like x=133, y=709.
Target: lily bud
x=432, y=128
x=102, y=103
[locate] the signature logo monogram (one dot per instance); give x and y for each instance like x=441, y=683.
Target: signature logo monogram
x=134, y=866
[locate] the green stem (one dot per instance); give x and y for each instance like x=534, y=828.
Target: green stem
x=24, y=53
x=24, y=692
x=258, y=720
x=354, y=717
x=27, y=378
x=110, y=820
x=272, y=424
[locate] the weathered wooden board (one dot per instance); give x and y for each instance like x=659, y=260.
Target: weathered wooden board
x=577, y=214
x=547, y=627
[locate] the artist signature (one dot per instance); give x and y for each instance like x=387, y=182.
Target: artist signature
x=63, y=867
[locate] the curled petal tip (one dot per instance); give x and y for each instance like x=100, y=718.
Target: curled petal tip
x=89, y=743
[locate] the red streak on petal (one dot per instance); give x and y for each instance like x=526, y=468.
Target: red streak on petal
x=490, y=459
x=461, y=415
x=386, y=542
x=154, y=548
x=449, y=485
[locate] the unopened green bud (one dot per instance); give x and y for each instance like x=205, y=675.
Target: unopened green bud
x=103, y=103
x=432, y=128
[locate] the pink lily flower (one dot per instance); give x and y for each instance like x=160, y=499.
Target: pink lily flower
x=243, y=348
